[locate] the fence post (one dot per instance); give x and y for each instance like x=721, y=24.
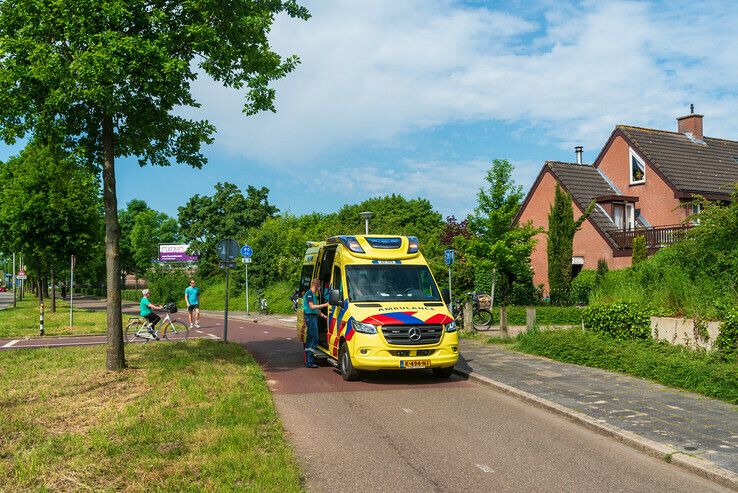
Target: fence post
x=503, y=321
x=468, y=316
x=530, y=317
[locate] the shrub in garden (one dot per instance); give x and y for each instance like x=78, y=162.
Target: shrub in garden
x=582, y=285
x=727, y=339
x=619, y=320
x=640, y=252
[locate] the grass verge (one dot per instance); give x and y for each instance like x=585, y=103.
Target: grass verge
x=674, y=366
x=22, y=321
x=187, y=417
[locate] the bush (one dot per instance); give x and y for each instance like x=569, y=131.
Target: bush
x=727, y=339
x=625, y=321
x=640, y=252
x=167, y=286
x=582, y=285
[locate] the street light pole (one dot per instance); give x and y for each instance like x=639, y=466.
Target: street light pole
x=366, y=216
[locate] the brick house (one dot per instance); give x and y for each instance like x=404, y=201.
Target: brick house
x=643, y=182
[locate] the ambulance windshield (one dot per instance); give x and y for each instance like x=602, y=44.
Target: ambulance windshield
x=391, y=283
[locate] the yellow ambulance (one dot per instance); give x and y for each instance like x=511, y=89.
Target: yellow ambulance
x=385, y=309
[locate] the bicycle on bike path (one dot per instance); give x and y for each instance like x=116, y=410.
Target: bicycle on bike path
x=481, y=315
x=139, y=329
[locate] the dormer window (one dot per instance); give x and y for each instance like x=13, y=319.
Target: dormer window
x=637, y=169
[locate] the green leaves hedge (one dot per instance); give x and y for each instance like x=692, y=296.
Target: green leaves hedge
x=727, y=340
x=626, y=321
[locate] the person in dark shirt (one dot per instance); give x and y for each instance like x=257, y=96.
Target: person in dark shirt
x=312, y=311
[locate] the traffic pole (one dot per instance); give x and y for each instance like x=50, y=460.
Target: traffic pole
x=247, y=287
x=14, y=281
x=41, y=319
x=225, y=320
x=71, y=294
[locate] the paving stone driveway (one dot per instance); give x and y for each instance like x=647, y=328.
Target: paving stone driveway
x=688, y=422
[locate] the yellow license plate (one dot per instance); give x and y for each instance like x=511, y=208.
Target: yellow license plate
x=415, y=363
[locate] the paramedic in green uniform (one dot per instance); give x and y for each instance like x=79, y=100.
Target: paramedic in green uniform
x=312, y=312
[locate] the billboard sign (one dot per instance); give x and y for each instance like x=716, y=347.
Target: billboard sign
x=175, y=252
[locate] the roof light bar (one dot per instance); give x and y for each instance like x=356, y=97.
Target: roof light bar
x=412, y=244
x=351, y=243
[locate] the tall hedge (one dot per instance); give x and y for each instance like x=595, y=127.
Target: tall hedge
x=619, y=320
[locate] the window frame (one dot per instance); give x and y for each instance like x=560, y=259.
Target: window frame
x=633, y=155
x=695, y=214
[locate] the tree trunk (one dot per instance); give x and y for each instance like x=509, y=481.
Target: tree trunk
x=53, y=290
x=115, y=355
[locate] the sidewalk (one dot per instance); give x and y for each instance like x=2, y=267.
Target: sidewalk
x=695, y=432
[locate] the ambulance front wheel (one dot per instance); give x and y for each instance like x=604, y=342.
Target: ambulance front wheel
x=443, y=372
x=348, y=372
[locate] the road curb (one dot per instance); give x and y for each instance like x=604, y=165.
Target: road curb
x=701, y=467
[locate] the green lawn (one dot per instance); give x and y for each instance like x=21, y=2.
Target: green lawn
x=22, y=321
x=702, y=372
x=186, y=417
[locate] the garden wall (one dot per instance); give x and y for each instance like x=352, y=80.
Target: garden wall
x=685, y=332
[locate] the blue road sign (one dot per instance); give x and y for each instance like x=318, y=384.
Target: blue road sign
x=449, y=256
x=246, y=251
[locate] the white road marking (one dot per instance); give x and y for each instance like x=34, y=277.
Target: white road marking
x=485, y=468
x=266, y=331
x=293, y=319
x=214, y=337
x=409, y=411
x=12, y=342
x=199, y=331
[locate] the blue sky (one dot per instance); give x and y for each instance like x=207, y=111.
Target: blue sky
x=418, y=97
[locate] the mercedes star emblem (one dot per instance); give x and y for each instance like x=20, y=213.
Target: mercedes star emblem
x=414, y=334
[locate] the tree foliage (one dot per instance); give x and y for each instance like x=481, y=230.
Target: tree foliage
x=104, y=79
x=228, y=213
x=497, y=243
x=49, y=209
x=560, y=245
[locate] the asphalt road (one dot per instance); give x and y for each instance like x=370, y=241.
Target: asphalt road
x=408, y=432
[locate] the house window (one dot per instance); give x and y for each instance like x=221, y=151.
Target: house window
x=637, y=169
x=629, y=216
x=696, y=208
x=618, y=215
x=624, y=216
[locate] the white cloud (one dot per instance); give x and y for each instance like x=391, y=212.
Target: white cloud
x=374, y=70
x=450, y=186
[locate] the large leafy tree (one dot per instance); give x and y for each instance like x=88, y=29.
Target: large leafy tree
x=496, y=242
x=142, y=229
x=50, y=208
x=105, y=76
x=228, y=213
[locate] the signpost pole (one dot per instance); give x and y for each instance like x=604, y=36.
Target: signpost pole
x=71, y=295
x=449, y=259
x=225, y=321
x=14, y=280
x=247, y=287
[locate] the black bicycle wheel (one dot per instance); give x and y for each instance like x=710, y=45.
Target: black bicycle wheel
x=482, y=320
x=132, y=329
x=176, y=331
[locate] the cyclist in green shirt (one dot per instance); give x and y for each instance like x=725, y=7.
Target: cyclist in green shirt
x=146, y=310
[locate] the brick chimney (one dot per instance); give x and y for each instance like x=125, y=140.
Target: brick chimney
x=691, y=123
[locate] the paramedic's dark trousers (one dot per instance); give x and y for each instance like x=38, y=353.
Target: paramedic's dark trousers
x=311, y=338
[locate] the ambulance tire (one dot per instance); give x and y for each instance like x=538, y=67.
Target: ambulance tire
x=348, y=372
x=443, y=372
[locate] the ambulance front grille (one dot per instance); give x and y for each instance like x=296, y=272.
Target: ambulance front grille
x=404, y=335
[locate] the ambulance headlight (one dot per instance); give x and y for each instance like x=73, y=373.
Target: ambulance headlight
x=365, y=328
x=451, y=327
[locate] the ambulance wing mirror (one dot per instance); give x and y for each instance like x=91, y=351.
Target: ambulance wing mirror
x=446, y=296
x=334, y=298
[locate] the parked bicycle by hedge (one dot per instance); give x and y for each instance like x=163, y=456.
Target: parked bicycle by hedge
x=481, y=315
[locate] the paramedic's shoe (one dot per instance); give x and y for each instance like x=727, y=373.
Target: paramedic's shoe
x=197, y=325
x=311, y=365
